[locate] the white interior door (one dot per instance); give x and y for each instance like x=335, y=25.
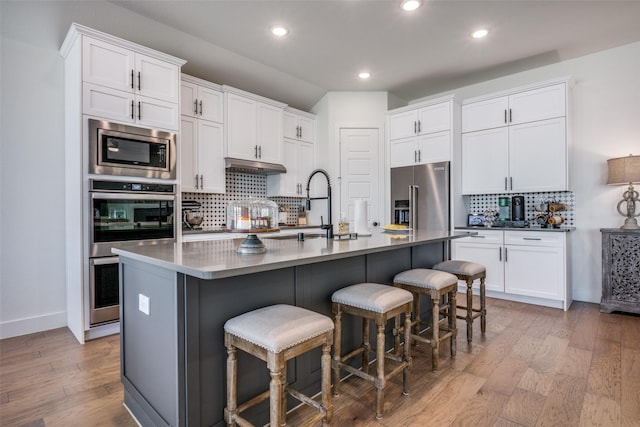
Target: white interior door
x=360, y=172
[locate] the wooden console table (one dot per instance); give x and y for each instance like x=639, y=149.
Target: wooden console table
x=620, y=270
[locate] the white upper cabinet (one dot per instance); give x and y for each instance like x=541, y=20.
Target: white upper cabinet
x=532, y=105
x=422, y=133
x=516, y=142
x=121, y=83
x=200, y=99
x=254, y=126
x=123, y=69
x=298, y=127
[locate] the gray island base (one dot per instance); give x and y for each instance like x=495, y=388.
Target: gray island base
x=176, y=298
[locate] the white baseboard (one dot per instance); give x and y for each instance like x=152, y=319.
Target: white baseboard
x=14, y=328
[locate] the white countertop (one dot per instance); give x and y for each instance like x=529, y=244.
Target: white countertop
x=214, y=259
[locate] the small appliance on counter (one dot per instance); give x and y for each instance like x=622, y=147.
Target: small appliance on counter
x=191, y=216
x=517, y=208
x=504, y=210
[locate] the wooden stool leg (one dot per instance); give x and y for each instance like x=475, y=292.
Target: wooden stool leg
x=380, y=381
x=326, y=383
x=435, y=330
x=396, y=336
x=275, y=405
x=452, y=322
x=407, y=354
x=283, y=400
x=416, y=313
x=232, y=379
x=469, y=310
x=483, y=307
x=337, y=348
x=366, y=344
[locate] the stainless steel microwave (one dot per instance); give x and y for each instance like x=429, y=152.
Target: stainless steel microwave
x=123, y=150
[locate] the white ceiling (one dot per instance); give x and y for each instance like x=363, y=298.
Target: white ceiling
x=411, y=55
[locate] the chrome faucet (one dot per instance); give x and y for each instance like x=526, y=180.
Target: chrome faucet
x=328, y=226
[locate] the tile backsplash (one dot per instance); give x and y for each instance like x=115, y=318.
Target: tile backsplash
x=481, y=203
x=239, y=186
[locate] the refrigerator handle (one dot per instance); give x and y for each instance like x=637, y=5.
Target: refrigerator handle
x=413, y=206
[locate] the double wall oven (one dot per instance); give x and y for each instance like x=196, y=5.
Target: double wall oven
x=123, y=209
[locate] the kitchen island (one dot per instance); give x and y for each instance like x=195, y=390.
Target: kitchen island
x=175, y=299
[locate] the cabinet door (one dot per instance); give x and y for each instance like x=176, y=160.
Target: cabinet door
x=306, y=164
x=434, y=147
x=434, y=118
x=290, y=125
x=269, y=133
x=156, y=113
x=307, y=129
x=240, y=123
x=488, y=114
x=156, y=79
x=210, y=104
x=535, y=271
x=403, y=125
x=107, y=65
x=403, y=152
x=189, y=174
x=485, y=159
x=188, y=99
x=486, y=254
x=538, y=104
x=107, y=103
x=210, y=157
x=538, y=156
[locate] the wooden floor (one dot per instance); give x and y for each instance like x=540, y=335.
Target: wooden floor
x=535, y=366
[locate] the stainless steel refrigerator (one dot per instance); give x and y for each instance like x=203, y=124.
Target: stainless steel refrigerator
x=420, y=196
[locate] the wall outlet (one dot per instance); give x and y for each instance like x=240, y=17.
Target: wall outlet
x=143, y=304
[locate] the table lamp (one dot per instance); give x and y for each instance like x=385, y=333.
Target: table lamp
x=626, y=171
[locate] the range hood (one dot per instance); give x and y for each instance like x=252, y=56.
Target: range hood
x=253, y=166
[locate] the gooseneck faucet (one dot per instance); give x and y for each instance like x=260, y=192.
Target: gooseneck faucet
x=328, y=226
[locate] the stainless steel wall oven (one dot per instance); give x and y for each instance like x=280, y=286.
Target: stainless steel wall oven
x=117, y=149
x=123, y=213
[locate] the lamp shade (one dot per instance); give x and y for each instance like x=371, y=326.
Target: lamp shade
x=624, y=170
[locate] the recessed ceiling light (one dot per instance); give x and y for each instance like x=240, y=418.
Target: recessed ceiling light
x=364, y=75
x=480, y=33
x=279, y=30
x=410, y=5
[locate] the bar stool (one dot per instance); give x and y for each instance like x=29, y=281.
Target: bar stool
x=373, y=301
x=276, y=334
x=469, y=272
x=436, y=284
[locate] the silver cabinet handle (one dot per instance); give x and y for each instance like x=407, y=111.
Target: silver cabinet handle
x=531, y=238
x=415, y=127
x=195, y=107
x=505, y=255
x=419, y=126
x=419, y=155
x=132, y=107
x=255, y=151
x=139, y=80
x=196, y=181
x=510, y=116
x=511, y=183
x=505, y=116
x=201, y=181
x=478, y=237
x=139, y=111
x=200, y=107
x=132, y=79
x=505, y=183
x=260, y=151
x=500, y=254
x=415, y=156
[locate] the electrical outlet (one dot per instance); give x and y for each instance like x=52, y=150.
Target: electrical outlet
x=143, y=304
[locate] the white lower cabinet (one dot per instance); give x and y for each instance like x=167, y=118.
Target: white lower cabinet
x=526, y=266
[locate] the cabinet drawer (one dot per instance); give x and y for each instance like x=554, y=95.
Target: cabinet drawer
x=534, y=238
x=483, y=237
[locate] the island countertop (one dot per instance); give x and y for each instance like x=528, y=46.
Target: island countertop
x=219, y=259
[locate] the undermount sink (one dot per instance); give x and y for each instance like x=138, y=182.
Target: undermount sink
x=295, y=236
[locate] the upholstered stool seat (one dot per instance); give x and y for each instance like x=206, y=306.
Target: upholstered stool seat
x=469, y=272
x=377, y=302
x=436, y=284
x=276, y=334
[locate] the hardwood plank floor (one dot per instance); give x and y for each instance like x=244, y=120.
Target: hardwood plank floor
x=535, y=366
